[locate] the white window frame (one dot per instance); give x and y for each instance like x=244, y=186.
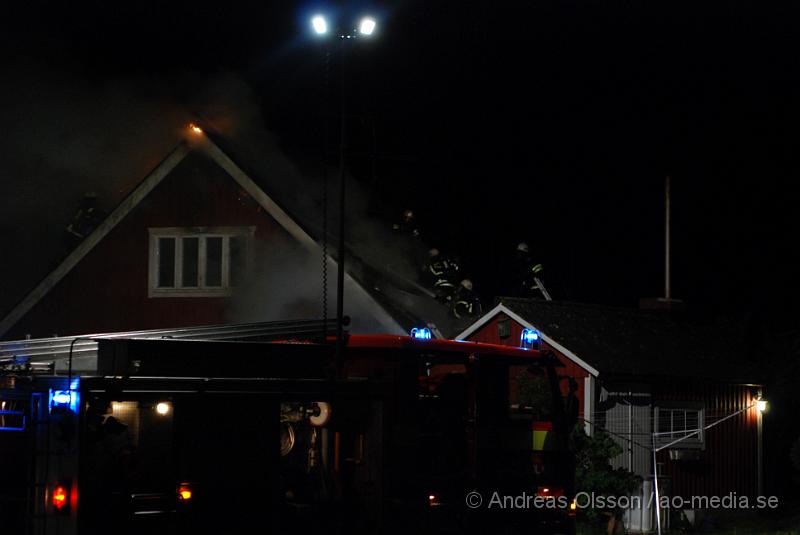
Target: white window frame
x=696, y=441
x=201, y=290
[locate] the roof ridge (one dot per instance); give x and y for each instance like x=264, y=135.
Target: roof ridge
x=207, y=146
x=572, y=304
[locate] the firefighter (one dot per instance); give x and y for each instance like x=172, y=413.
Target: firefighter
x=465, y=302
x=441, y=272
x=429, y=269
x=407, y=224
x=110, y=467
x=89, y=216
x=526, y=273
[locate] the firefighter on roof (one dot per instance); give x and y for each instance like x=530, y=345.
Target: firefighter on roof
x=88, y=217
x=407, y=224
x=441, y=272
x=527, y=273
x=465, y=302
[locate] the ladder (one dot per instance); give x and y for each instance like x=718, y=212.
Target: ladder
x=541, y=288
x=42, y=352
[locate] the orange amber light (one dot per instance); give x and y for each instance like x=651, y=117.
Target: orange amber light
x=185, y=493
x=59, y=497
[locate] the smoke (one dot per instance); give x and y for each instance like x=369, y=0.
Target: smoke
x=67, y=136
x=284, y=283
x=230, y=107
x=71, y=135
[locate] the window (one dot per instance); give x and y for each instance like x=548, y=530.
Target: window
x=503, y=329
x=205, y=262
x=674, y=423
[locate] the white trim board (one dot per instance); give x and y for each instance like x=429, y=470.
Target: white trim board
x=206, y=145
x=129, y=203
x=501, y=308
x=266, y=202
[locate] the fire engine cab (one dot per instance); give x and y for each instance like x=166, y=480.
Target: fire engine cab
x=229, y=429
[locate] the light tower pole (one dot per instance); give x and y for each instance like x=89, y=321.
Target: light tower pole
x=366, y=28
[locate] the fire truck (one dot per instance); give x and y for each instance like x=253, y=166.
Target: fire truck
x=240, y=428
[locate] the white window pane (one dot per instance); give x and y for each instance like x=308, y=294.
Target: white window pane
x=166, y=262
x=664, y=421
x=237, y=252
x=189, y=275
x=214, y=261
x=679, y=421
x=692, y=420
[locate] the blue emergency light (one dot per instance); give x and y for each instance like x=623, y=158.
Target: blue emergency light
x=530, y=338
x=421, y=333
x=66, y=399
x=62, y=397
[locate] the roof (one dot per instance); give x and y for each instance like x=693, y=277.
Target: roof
x=631, y=342
x=388, y=341
x=386, y=263
x=195, y=141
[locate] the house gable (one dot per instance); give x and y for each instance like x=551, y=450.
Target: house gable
x=103, y=283
x=108, y=287
x=485, y=330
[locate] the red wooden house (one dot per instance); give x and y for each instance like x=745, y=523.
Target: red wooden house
x=648, y=377
x=197, y=242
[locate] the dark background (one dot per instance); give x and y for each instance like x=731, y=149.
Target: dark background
x=553, y=122
x=550, y=121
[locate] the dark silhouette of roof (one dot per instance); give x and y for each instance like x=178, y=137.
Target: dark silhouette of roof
x=632, y=342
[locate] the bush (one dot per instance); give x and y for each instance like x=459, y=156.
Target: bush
x=593, y=471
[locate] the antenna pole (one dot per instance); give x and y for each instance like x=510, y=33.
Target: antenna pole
x=667, y=288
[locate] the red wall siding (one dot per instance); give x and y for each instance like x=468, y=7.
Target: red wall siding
x=730, y=459
x=489, y=334
x=729, y=462
x=107, y=290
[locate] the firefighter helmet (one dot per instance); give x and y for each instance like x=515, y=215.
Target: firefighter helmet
x=433, y=252
x=523, y=247
x=467, y=284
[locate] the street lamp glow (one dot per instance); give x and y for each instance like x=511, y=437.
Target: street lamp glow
x=366, y=26
x=761, y=405
x=162, y=408
x=319, y=24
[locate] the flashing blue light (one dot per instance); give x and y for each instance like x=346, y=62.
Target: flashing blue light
x=66, y=398
x=61, y=397
x=529, y=338
x=11, y=417
x=421, y=333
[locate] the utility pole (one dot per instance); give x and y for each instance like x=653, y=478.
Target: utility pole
x=667, y=288
x=366, y=28
x=342, y=173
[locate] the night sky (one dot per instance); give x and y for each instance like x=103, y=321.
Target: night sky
x=553, y=122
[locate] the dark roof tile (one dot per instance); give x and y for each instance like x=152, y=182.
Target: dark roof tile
x=619, y=341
